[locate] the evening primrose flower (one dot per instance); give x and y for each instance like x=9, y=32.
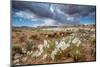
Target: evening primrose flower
x=24, y=50
x=40, y=47
x=44, y=56
x=46, y=44
x=56, y=42
x=29, y=52
x=54, y=52
x=76, y=41
x=68, y=45
x=36, y=53
x=16, y=61
x=62, y=45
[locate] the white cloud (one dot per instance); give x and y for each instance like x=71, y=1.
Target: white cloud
x=46, y=22
x=49, y=22
x=26, y=14
x=70, y=18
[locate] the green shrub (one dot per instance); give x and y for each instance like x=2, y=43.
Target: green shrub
x=75, y=53
x=51, y=47
x=16, y=49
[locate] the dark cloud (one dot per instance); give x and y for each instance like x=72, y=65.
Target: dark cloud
x=80, y=10
x=37, y=8
x=59, y=12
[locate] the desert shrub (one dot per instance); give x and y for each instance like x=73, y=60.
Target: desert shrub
x=93, y=41
x=93, y=46
x=81, y=31
x=58, y=56
x=48, y=50
x=16, y=49
x=62, y=54
x=34, y=37
x=29, y=45
x=22, y=38
x=75, y=53
x=51, y=47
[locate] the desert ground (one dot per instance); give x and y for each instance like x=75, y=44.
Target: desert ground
x=43, y=45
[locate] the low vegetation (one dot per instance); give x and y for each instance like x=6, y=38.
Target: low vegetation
x=43, y=46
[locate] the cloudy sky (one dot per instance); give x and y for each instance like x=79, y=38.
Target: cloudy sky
x=25, y=13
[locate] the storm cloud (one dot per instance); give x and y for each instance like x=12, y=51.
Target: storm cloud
x=58, y=13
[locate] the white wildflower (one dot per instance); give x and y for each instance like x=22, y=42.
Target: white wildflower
x=40, y=47
x=68, y=45
x=23, y=50
x=59, y=45
x=46, y=44
x=37, y=53
x=24, y=59
x=16, y=61
x=78, y=43
x=29, y=52
x=77, y=52
x=62, y=45
x=69, y=41
x=56, y=42
x=17, y=56
x=75, y=40
x=44, y=56
x=54, y=53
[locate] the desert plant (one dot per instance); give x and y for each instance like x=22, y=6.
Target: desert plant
x=75, y=53
x=50, y=48
x=93, y=41
x=58, y=56
x=17, y=49
x=93, y=45
x=29, y=45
